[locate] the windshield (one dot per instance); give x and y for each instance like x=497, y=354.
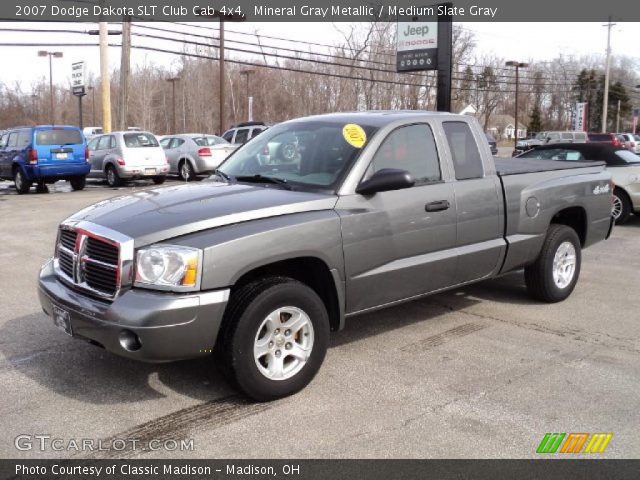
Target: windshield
x=209, y=141
x=553, y=154
x=628, y=156
x=306, y=153
x=541, y=136
x=137, y=140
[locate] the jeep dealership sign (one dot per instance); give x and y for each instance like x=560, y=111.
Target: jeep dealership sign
x=417, y=47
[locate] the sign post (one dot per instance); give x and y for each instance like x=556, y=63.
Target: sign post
x=78, y=86
x=425, y=43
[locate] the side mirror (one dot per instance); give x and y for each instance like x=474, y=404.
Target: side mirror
x=385, y=180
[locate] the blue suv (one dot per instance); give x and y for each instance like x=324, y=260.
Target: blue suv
x=44, y=154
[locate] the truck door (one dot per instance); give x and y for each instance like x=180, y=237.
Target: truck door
x=400, y=244
x=479, y=209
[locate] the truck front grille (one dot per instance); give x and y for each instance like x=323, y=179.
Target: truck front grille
x=89, y=262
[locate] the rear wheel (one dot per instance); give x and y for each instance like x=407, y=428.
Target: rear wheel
x=22, y=183
x=553, y=276
x=113, y=179
x=621, y=208
x=159, y=180
x=185, y=170
x=78, y=183
x=275, y=337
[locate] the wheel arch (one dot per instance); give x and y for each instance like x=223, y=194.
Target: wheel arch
x=574, y=217
x=311, y=271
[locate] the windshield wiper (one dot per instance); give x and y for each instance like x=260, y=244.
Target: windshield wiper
x=222, y=175
x=264, y=179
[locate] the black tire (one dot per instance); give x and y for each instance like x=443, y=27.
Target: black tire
x=78, y=183
x=22, y=184
x=185, y=171
x=539, y=276
x=159, y=180
x=623, y=204
x=247, y=309
x=113, y=179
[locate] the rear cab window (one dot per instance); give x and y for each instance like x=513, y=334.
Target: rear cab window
x=61, y=136
x=139, y=140
x=467, y=162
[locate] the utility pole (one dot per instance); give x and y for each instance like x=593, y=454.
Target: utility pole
x=605, y=100
x=173, y=81
x=221, y=60
x=125, y=67
x=104, y=78
x=618, y=118
x=93, y=104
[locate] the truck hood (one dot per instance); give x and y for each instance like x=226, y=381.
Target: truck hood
x=155, y=215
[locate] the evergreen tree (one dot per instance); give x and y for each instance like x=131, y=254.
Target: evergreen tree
x=535, y=120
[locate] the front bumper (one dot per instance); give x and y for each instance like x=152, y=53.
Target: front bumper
x=169, y=326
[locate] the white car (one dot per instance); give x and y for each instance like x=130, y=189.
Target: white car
x=631, y=142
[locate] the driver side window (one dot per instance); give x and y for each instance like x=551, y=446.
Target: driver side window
x=411, y=148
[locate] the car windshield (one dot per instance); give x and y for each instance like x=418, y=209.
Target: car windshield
x=209, y=141
x=628, y=156
x=59, y=137
x=138, y=140
x=315, y=154
x=541, y=136
x=553, y=154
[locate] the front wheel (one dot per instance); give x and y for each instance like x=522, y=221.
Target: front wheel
x=78, y=183
x=621, y=209
x=554, y=274
x=275, y=338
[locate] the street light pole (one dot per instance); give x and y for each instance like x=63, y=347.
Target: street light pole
x=173, y=81
x=44, y=53
x=518, y=66
x=605, y=100
x=246, y=72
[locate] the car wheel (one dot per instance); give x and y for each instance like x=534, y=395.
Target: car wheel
x=554, y=274
x=22, y=184
x=274, y=338
x=288, y=151
x=621, y=208
x=113, y=179
x=186, y=171
x=159, y=180
x=78, y=183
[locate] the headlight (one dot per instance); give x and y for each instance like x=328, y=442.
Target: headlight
x=168, y=267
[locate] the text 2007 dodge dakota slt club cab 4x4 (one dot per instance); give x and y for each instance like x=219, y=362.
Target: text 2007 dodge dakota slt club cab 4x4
x=315, y=220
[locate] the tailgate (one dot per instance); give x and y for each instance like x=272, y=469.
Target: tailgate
x=144, y=156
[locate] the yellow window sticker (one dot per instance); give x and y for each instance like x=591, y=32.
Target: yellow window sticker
x=354, y=135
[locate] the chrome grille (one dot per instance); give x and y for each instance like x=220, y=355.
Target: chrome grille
x=89, y=262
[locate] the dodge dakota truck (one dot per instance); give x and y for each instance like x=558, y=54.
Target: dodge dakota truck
x=314, y=221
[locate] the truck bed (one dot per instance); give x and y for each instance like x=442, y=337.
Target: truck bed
x=515, y=166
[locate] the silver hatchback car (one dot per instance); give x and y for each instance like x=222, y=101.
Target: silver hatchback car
x=192, y=154
x=121, y=156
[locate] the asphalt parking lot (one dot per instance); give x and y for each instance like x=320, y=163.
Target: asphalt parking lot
x=477, y=372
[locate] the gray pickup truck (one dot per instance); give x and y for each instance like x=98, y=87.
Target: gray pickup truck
x=260, y=262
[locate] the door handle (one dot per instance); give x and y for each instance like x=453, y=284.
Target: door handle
x=438, y=206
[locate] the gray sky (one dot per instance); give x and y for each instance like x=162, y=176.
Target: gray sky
x=518, y=41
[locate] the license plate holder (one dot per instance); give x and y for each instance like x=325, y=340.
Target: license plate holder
x=62, y=319
x=62, y=156
x=150, y=171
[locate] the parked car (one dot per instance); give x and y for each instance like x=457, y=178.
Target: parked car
x=192, y=154
x=243, y=132
x=43, y=155
x=493, y=144
x=381, y=208
x=121, y=156
x=90, y=132
x=631, y=142
x=623, y=165
x=606, y=138
x=543, y=138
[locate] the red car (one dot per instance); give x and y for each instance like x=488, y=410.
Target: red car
x=606, y=138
